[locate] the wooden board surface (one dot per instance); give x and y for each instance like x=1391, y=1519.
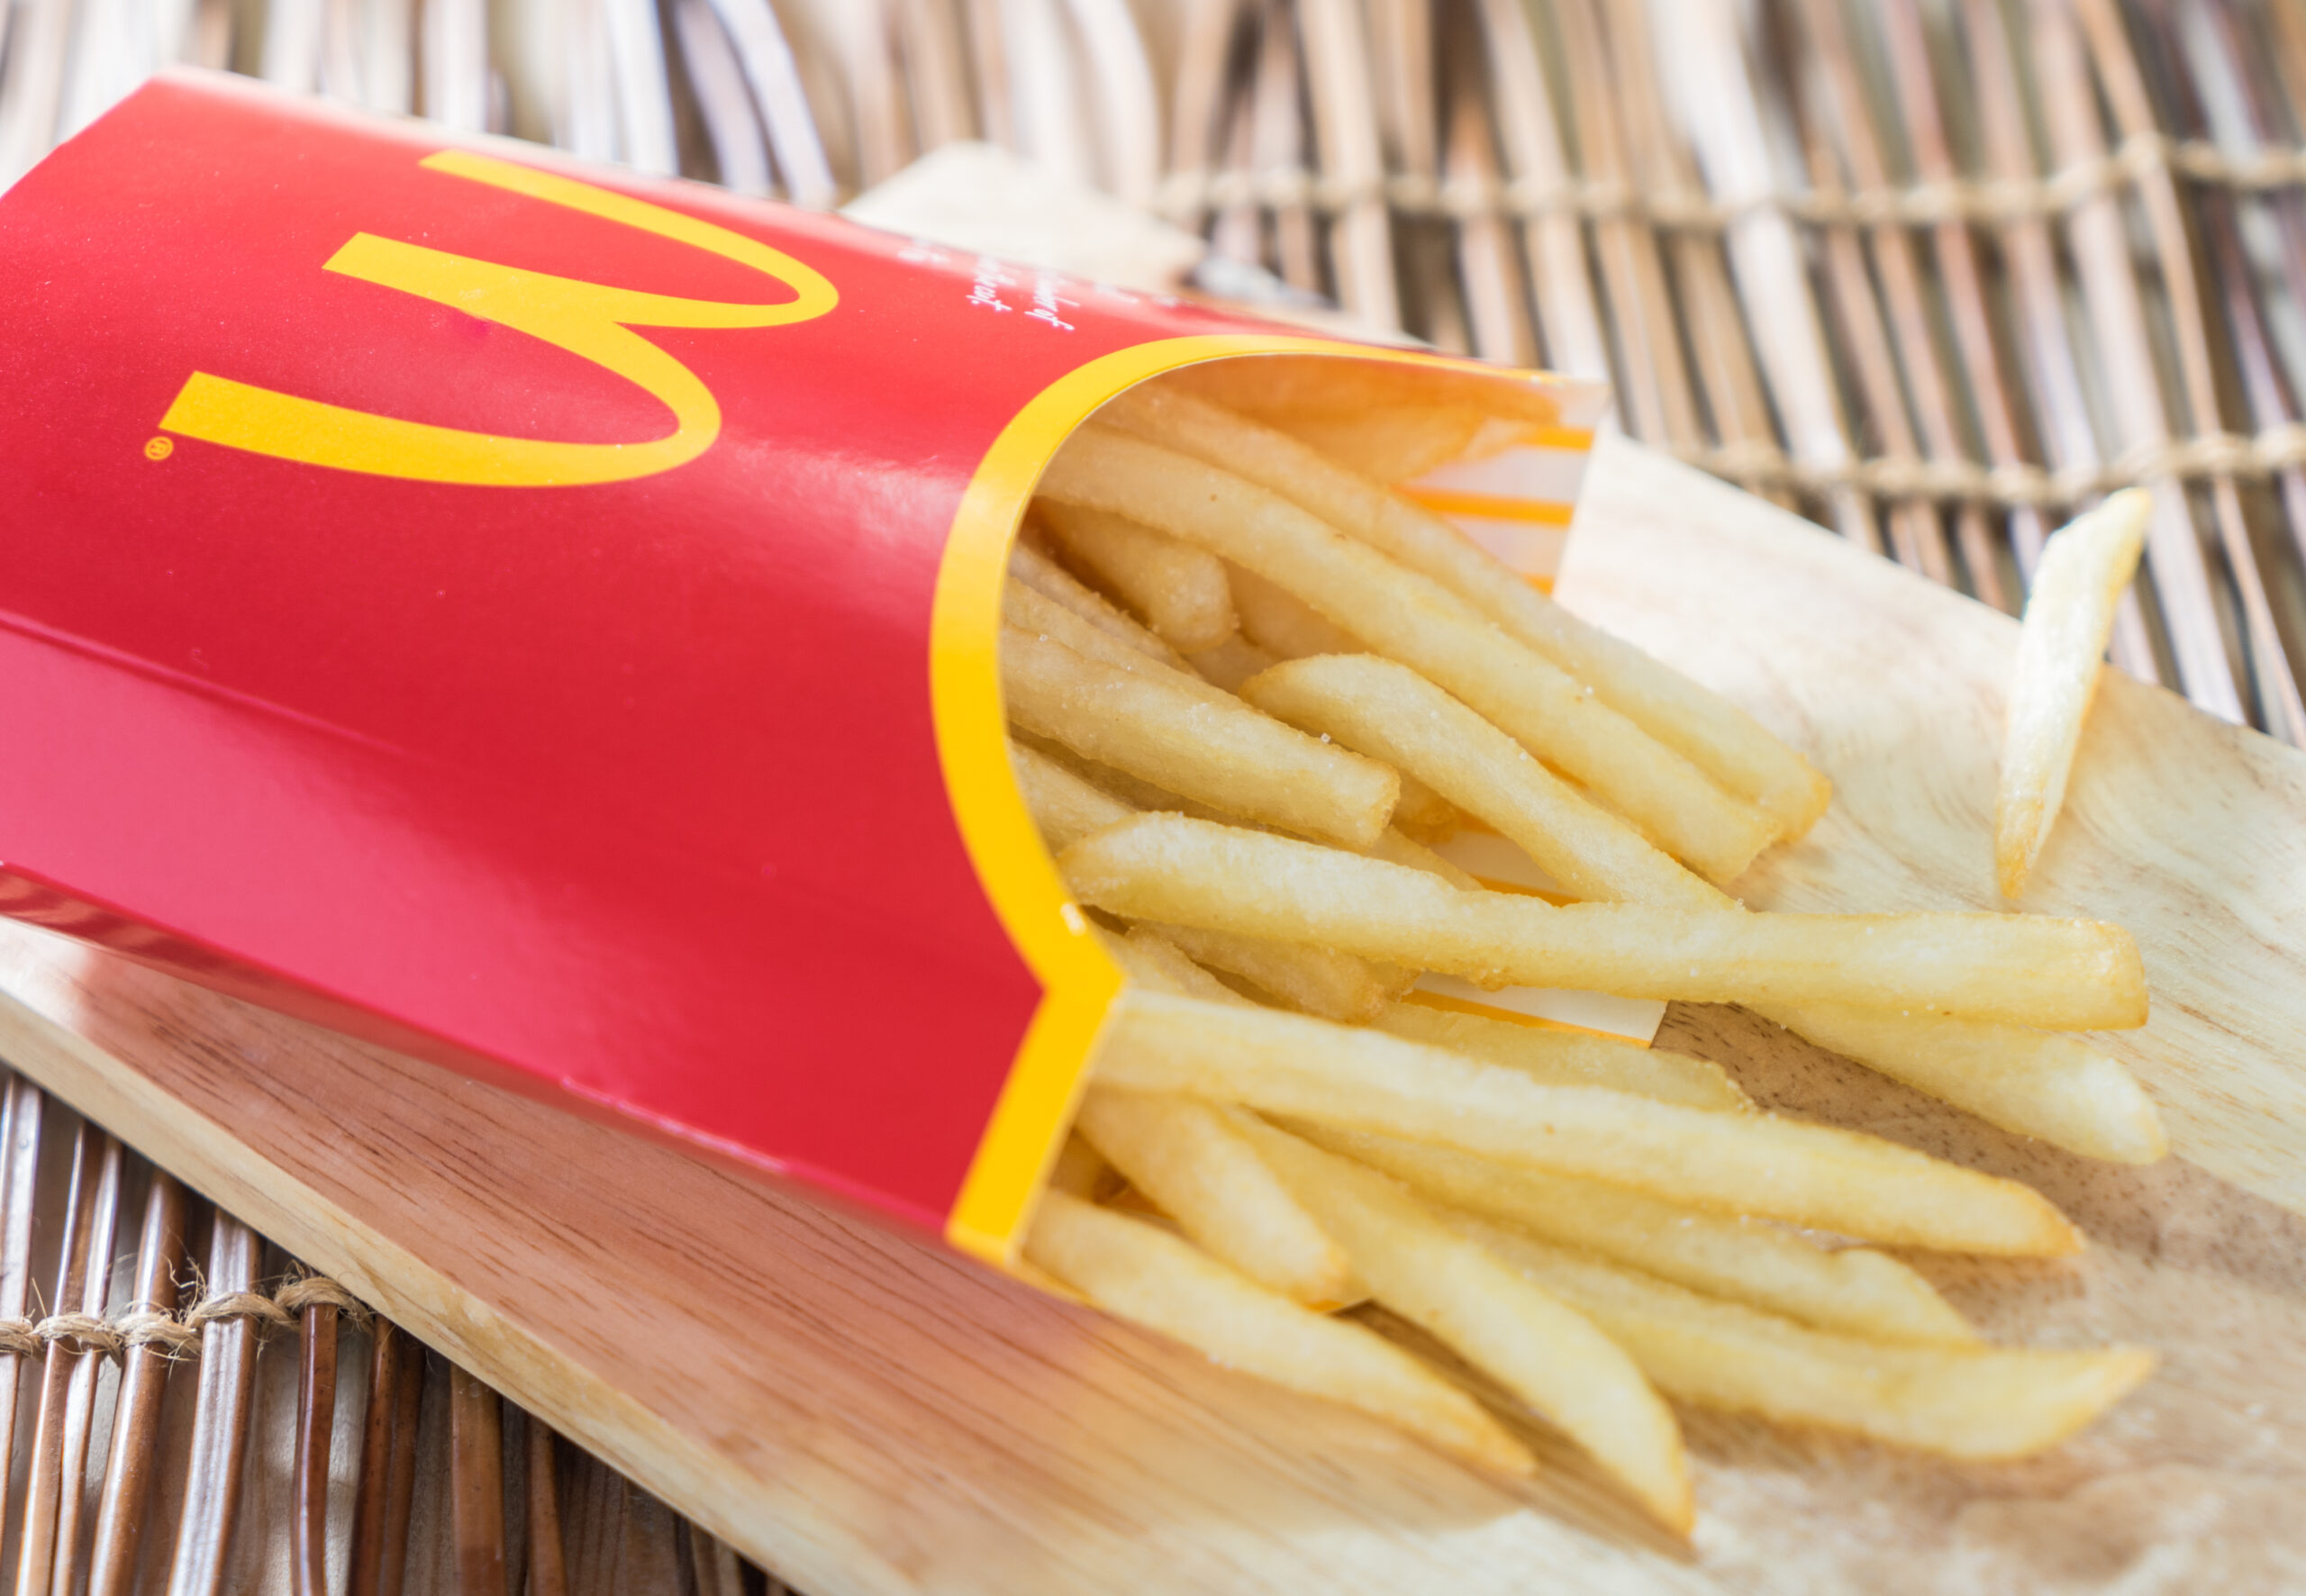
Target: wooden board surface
x=867, y=1413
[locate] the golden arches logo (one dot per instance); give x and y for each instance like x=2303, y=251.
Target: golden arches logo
x=586, y=319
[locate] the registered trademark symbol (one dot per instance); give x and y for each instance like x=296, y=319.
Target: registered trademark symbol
x=160, y=448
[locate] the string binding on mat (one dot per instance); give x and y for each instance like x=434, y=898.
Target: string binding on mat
x=176, y=1338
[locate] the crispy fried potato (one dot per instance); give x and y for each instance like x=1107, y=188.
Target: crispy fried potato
x=1548, y=1356
x=2069, y=616
x=1411, y=618
x=2035, y=1082
x=1297, y=386
x=1316, y=980
x=1153, y=961
x=1193, y=741
x=1389, y=712
x=1231, y=663
x=1721, y=740
x=1567, y=1057
x=1136, y=1271
x=1396, y=848
x=1079, y=1171
x=2022, y=970
x=1028, y=609
x=1422, y=814
x=1855, y=1290
x=1283, y=624
x=1174, y=588
x=1064, y=806
x=1052, y=581
x=1974, y=1403
x=1198, y=1168
x=1735, y=1163
x=1393, y=444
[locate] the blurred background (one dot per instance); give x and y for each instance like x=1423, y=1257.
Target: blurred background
x=1934, y=272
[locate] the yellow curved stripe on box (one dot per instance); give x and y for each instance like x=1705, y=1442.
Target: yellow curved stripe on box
x=1079, y=981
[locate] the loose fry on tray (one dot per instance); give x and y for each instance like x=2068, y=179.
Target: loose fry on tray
x=2069, y=616
x=1546, y=1354
x=1567, y=1057
x=1194, y=742
x=1737, y=1163
x=1136, y=1271
x=1855, y=1290
x=1976, y=1403
x=1174, y=588
x=1283, y=624
x=1721, y=740
x=1052, y=581
x=1317, y=980
x=1389, y=712
x=1412, y=619
x=2019, y=970
x=2035, y=1082
x=1198, y=1168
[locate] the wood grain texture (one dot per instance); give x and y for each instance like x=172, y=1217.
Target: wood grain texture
x=864, y=1413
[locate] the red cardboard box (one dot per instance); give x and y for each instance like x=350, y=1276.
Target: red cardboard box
x=545, y=621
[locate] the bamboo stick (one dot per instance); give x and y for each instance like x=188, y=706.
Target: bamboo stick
x=136, y=1434
x=1361, y=241
x=1569, y=321
x=1496, y=296
x=1279, y=145
x=1715, y=92
x=212, y=1492
x=2280, y=704
x=1201, y=123
x=476, y=1484
x=315, y=1425
x=18, y=1201
x=1661, y=403
x=547, y=1557
x=2109, y=293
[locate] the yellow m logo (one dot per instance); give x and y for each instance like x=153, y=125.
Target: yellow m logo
x=586, y=319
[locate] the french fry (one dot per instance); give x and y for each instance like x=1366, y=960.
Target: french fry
x=1393, y=444
x=1174, y=588
x=1736, y=1162
x=2038, y=1084
x=1422, y=814
x=1153, y=961
x=2069, y=616
x=1725, y=742
x=1193, y=742
x=1231, y=663
x=1045, y=576
x=1283, y=624
x=1548, y=1356
x=1389, y=712
x=1317, y=980
x=1303, y=385
x=1855, y=1290
x=1411, y=618
x=1136, y=1271
x=1028, y=609
x=1396, y=848
x=1567, y=1057
x=1080, y=1171
x=1974, y=1403
x=1195, y=1165
x=1065, y=807
x=2020, y=970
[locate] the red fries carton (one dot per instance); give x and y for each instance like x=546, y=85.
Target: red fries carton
x=544, y=619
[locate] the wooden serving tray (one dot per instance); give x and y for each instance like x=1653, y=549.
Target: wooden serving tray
x=864, y=1412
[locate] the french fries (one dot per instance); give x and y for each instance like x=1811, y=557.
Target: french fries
x=1548, y=1356
x=1725, y=742
x=1979, y=1404
x=2069, y=616
x=1411, y=618
x=1136, y=1271
x=1734, y=1162
x=1567, y=1058
x=1052, y=581
x=1175, y=589
x=1223, y=754
x=1587, y=1221
x=1855, y=1290
x=2021, y=970
x=1194, y=1163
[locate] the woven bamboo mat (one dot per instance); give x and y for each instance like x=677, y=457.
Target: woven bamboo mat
x=1935, y=272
